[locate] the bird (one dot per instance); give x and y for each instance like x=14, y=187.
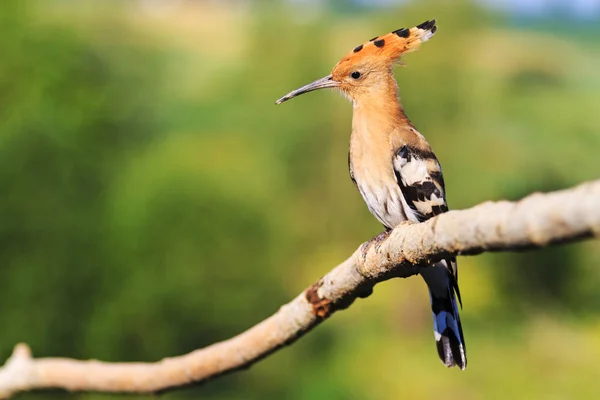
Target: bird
x=394, y=167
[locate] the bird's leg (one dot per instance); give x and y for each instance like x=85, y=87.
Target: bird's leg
x=376, y=241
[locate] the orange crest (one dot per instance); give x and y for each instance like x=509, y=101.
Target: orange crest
x=385, y=50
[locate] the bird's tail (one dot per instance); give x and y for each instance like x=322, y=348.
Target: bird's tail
x=448, y=330
x=442, y=280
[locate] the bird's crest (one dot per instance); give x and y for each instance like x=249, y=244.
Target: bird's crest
x=387, y=49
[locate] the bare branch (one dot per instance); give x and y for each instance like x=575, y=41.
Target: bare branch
x=536, y=221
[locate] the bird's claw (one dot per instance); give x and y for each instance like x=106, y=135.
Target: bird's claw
x=376, y=241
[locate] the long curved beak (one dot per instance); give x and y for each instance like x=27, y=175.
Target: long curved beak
x=326, y=82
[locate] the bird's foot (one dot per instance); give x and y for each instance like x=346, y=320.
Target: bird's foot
x=376, y=241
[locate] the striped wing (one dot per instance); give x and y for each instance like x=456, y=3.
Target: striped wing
x=419, y=175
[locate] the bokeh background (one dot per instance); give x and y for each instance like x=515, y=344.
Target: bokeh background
x=154, y=200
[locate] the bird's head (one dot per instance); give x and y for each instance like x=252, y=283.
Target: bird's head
x=369, y=66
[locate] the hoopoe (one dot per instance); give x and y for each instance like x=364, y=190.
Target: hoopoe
x=393, y=166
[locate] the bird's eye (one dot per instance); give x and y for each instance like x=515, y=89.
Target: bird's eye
x=355, y=75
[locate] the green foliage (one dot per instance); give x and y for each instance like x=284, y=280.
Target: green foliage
x=156, y=201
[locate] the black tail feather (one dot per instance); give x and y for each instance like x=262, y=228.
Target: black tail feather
x=448, y=333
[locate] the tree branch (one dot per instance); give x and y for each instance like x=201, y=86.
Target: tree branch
x=536, y=221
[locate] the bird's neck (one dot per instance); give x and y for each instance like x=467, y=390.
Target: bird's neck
x=378, y=111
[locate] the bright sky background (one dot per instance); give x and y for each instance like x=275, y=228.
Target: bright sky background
x=581, y=8
x=576, y=8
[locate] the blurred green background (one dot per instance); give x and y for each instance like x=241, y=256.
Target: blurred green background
x=154, y=200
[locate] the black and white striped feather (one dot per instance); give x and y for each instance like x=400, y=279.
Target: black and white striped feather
x=419, y=175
